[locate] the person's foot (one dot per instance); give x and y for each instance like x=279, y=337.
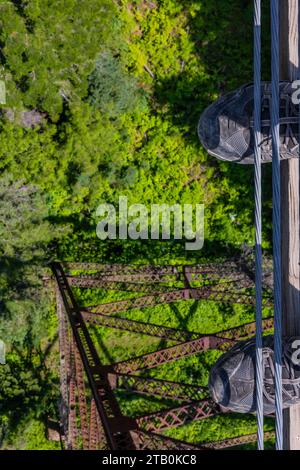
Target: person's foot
x=232, y=378
x=226, y=127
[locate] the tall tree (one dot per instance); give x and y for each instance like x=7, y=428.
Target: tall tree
x=48, y=49
x=25, y=235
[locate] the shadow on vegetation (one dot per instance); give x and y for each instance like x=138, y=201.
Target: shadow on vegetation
x=28, y=388
x=224, y=48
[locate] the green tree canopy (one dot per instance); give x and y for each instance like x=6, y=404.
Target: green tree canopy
x=25, y=235
x=48, y=49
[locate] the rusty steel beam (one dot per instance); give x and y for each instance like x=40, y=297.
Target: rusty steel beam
x=152, y=441
x=225, y=294
x=106, y=403
x=92, y=426
x=223, y=276
x=72, y=419
x=72, y=428
x=215, y=341
x=138, y=302
x=87, y=283
x=227, y=286
x=212, y=271
x=228, y=283
x=159, y=388
x=178, y=416
x=134, y=326
x=96, y=432
x=236, y=441
x=117, y=268
x=100, y=441
x=150, y=360
x=93, y=434
x=132, y=277
x=81, y=397
x=244, y=331
x=206, y=268
x=64, y=348
x=215, y=274
x=203, y=293
x=210, y=293
x=222, y=292
x=229, y=270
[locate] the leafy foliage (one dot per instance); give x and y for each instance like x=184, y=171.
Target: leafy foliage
x=25, y=236
x=28, y=389
x=112, y=90
x=49, y=50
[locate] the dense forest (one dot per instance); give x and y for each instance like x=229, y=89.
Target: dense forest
x=103, y=99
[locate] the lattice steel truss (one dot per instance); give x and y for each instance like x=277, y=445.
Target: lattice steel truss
x=91, y=417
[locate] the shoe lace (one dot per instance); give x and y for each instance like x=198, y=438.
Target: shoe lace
x=290, y=394
x=289, y=117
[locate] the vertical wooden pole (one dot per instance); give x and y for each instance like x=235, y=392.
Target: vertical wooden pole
x=290, y=215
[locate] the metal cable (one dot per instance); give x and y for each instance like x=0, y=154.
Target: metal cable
x=276, y=221
x=258, y=225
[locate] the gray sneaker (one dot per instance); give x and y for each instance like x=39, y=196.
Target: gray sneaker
x=226, y=127
x=232, y=378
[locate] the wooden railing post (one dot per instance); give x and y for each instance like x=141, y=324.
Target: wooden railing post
x=290, y=214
